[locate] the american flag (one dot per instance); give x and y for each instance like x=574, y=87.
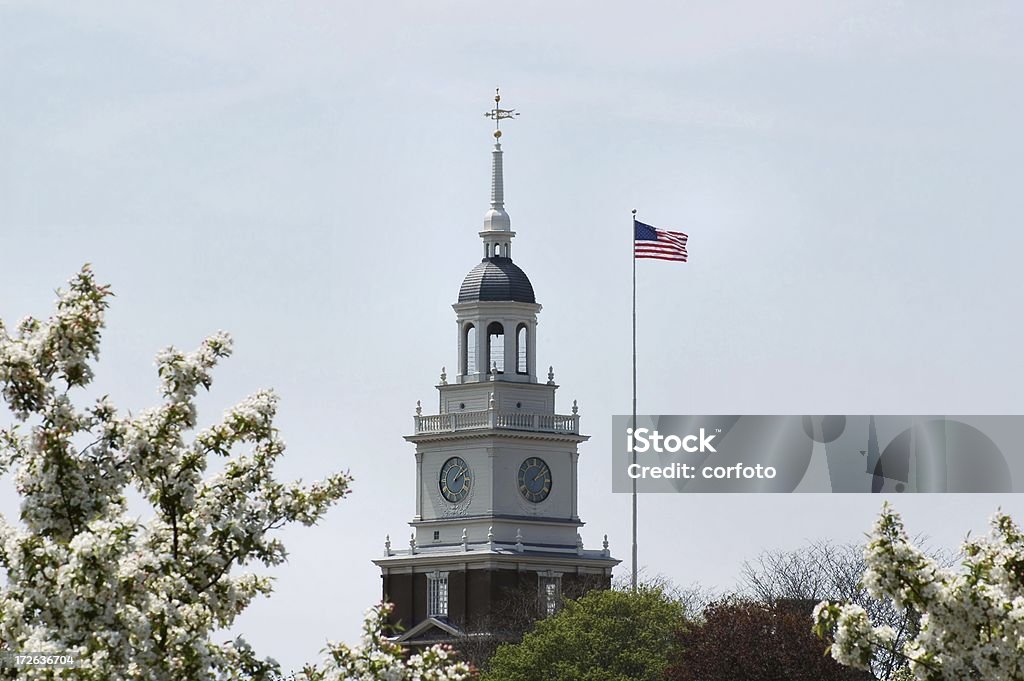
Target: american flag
x=660, y=244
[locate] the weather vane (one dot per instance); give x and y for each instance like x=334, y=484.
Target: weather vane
x=497, y=113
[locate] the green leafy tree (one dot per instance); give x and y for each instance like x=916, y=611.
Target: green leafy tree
x=606, y=635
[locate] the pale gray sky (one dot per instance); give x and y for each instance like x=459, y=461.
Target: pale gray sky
x=311, y=177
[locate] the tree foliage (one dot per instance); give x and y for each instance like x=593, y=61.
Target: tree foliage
x=606, y=635
x=823, y=570
x=133, y=598
x=741, y=639
x=971, y=617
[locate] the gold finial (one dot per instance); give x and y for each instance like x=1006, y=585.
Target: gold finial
x=497, y=113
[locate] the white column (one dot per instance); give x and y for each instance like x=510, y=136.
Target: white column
x=483, y=360
x=510, y=346
x=492, y=476
x=531, y=349
x=419, y=486
x=459, y=368
x=574, y=459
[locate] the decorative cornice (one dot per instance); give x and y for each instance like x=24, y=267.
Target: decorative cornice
x=474, y=559
x=533, y=520
x=496, y=432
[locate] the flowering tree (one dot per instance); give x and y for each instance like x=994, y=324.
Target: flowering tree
x=128, y=598
x=380, y=659
x=970, y=621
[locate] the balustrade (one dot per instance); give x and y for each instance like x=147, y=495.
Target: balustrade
x=498, y=420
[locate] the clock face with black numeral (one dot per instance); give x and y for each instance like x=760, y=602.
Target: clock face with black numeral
x=535, y=480
x=455, y=480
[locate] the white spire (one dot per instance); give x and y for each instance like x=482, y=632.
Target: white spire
x=496, y=219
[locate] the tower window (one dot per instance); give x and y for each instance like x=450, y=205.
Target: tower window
x=550, y=592
x=469, y=350
x=496, y=346
x=437, y=594
x=521, y=333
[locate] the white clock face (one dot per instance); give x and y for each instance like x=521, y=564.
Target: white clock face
x=455, y=480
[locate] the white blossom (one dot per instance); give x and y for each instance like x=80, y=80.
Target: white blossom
x=378, y=658
x=134, y=598
x=970, y=620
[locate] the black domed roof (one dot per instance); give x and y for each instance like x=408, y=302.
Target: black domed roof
x=496, y=279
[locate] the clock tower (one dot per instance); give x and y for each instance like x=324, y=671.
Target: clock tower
x=496, y=468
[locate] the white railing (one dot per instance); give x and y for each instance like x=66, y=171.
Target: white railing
x=497, y=420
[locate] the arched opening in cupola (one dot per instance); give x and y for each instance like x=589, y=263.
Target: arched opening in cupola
x=522, y=366
x=469, y=350
x=496, y=347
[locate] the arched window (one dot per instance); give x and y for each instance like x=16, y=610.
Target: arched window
x=521, y=361
x=496, y=346
x=469, y=350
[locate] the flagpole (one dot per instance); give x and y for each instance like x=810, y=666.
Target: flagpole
x=632, y=249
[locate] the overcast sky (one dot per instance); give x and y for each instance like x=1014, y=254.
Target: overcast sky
x=311, y=177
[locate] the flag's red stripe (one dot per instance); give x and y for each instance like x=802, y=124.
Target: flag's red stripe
x=680, y=258
x=667, y=256
x=659, y=249
x=661, y=242
x=646, y=249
